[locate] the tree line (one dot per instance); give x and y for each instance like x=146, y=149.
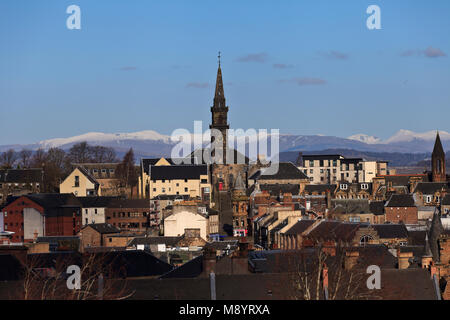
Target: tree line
x=58, y=164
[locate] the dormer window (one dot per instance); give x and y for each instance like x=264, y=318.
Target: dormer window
x=343, y=186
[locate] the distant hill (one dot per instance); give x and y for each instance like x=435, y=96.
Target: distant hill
x=405, y=148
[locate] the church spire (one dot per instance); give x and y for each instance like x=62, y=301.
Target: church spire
x=438, y=161
x=438, y=150
x=219, y=96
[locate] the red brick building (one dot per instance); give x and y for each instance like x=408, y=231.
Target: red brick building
x=36, y=215
x=401, y=208
x=129, y=214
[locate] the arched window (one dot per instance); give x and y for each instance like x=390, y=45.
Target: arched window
x=365, y=240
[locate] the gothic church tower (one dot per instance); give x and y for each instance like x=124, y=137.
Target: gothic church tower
x=438, y=161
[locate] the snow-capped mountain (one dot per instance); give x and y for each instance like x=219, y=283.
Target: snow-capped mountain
x=152, y=143
x=99, y=138
x=408, y=136
x=365, y=138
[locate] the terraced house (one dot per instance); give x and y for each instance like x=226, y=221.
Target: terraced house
x=17, y=182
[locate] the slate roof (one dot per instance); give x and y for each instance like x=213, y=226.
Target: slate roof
x=191, y=269
x=431, y=187
x=389, y=231
x=286, y=170
x=168, y=241
x=417, y=238
x=134, y=263
x=376, y=207
x=54, y=200
x=21, y=175
x=171, y=197
x=103, y=228
x=351, y=206
x=446, y=200
x=222, y=245
x=276, y=189
x=96, y=202
x=146, y=163
x=178, y=172
x=403, y=179
x=401, y=200
x=334, y=230
x=299, y=227
x=320, y=188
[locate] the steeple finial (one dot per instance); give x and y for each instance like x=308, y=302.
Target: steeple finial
x=219, y=56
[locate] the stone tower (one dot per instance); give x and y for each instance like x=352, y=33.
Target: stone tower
x=438, y=161
x=219, y=112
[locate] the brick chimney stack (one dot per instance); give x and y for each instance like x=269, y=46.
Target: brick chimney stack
x=351, y=259
x=403, y=259
x=209, y=260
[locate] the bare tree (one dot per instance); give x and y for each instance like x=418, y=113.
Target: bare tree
x=311, y=270
x=80, y=153
x=126, y=171
x=25, y=158
x=102, y=154
x=8, y=159
x=39, y=158
x=98, y=280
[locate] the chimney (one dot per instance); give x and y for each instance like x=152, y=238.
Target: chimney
x=403, y=259
x=351, y=259
x=243, y=248
x=209, y=260
x=328, y=199
x=287, y=197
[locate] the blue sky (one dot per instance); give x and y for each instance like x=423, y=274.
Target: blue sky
x=305, y=67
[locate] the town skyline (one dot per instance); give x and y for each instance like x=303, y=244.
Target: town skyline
x=121, y=77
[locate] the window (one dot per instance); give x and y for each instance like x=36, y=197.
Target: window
x=428, y=199
x=163, y=190
x=185, y=189
x=364, y=186
x=311, y=171
x=95, y=211
x=103, y=170
x=185, y=180
x=154, y=189
x=110, y=239
x=163, y=180
x=343, y=186
x=204, y=181
x=311, y=163
x=334, y=163
x=365, y=240
x=77, y=181
x=177, y=184
x=111, y=170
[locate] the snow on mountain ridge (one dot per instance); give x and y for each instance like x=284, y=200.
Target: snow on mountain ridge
x=408, y=136
x=100, y=137
x=361, y=137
